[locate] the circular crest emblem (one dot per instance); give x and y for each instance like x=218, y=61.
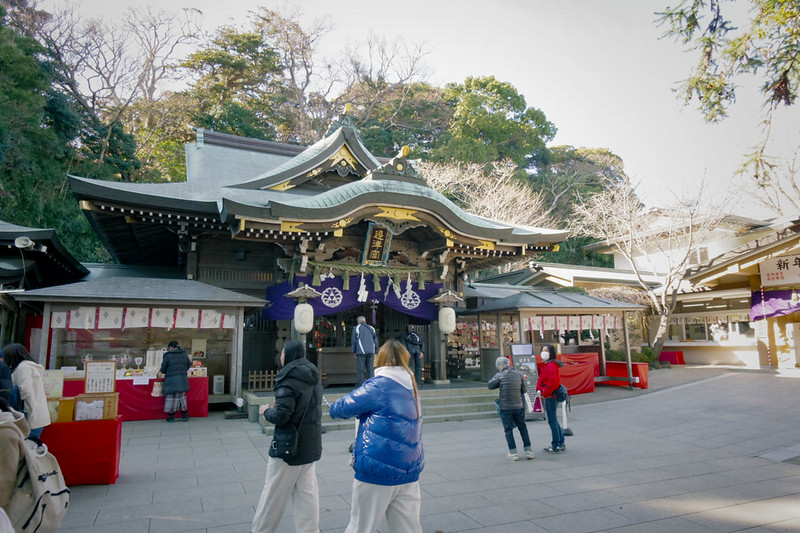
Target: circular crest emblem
x=331, y=297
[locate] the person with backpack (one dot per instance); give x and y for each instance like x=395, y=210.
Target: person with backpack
x=33, y=494
x=413, y=344
x=13, y=456
x=364, y=343
x=511, y=406
x=28, y=378
x=548, y=384
x=296, y=445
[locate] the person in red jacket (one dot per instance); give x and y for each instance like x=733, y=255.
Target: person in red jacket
x=549, y=381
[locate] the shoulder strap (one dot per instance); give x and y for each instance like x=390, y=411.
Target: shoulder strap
x=308, y=406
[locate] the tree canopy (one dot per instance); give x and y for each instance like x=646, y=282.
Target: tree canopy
x=757, y=39
x=38, y=128
x=492, y=121
x=118, y=101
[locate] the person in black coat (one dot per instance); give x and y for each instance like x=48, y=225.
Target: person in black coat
x=6, y=383
x=174, y=366
x=413, y=344
x=298, y=403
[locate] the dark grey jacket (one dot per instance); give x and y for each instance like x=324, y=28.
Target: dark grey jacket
x=174, y=366
x=364, y=340
x=511, y=386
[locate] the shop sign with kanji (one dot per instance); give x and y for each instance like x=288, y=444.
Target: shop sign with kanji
x=780, y=271
x=377, y=245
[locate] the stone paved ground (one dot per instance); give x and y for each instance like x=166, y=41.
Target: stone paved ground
x=703, y=449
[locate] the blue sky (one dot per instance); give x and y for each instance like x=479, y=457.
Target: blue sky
x=597, y=68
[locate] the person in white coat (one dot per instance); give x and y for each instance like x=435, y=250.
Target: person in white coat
x=27, y=376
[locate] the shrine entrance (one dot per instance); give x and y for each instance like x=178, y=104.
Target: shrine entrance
x=332, y=334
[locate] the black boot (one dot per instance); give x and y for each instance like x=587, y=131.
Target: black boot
x=171, y=418
x=185, y=416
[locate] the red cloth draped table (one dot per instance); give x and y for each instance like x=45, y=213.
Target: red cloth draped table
x=588, y=357
x=87, y=451
x=620, y=369
x=674, y=358
x=137, y=403
x=577, y=377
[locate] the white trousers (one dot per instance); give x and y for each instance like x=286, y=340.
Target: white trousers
x=399, y=504
x=283, y=482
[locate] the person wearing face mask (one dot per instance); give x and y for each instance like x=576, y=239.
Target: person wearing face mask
x=549, y=381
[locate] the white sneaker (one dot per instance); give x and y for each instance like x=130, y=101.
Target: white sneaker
x=512, y=457
x=528, y=454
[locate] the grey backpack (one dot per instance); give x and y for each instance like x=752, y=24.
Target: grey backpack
x=40, y=497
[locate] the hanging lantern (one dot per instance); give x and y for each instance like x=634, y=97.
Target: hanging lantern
x=447, y=320
x=303, y=318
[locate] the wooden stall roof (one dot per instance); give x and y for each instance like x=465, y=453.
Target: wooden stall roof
x=142, y=291
x=551, y=302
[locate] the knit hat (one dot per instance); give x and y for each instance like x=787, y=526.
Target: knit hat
x=502, y=362
x=292, y=350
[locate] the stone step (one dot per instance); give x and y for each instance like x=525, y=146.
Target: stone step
x=349, y=425
x=438, y=405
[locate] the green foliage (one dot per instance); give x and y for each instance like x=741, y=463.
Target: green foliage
x=413, y=115
x=767, y=47
x=238, y=84
x=636, y=357
x=37, y=130
x=491, y=121
x=572, y=252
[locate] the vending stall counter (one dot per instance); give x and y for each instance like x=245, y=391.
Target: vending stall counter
x=136, y=402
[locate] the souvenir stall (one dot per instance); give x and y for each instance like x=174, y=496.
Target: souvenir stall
x=85, y=431
x=130, y=335
x=575, y=323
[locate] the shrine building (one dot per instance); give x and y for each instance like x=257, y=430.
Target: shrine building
x=357, y=234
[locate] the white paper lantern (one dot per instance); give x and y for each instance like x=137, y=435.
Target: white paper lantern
x=303, y=318
x=447, y=320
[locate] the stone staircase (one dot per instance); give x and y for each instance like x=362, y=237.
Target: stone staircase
x=439, y=404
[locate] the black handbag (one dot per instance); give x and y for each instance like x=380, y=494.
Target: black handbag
x=284, y=439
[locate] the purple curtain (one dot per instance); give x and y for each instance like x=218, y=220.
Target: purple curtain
x=776, y=303
x=411, y=301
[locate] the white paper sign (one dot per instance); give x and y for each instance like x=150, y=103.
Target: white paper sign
x=100, y=376
x=780, y=271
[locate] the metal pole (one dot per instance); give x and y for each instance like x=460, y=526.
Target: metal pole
x=627, y=349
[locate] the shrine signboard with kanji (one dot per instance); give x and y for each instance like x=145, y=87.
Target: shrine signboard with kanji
x=100, y=377
x=377, y=245
x=780, y=271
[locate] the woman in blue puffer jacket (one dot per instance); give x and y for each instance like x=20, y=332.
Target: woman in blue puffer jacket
x=388, y=455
